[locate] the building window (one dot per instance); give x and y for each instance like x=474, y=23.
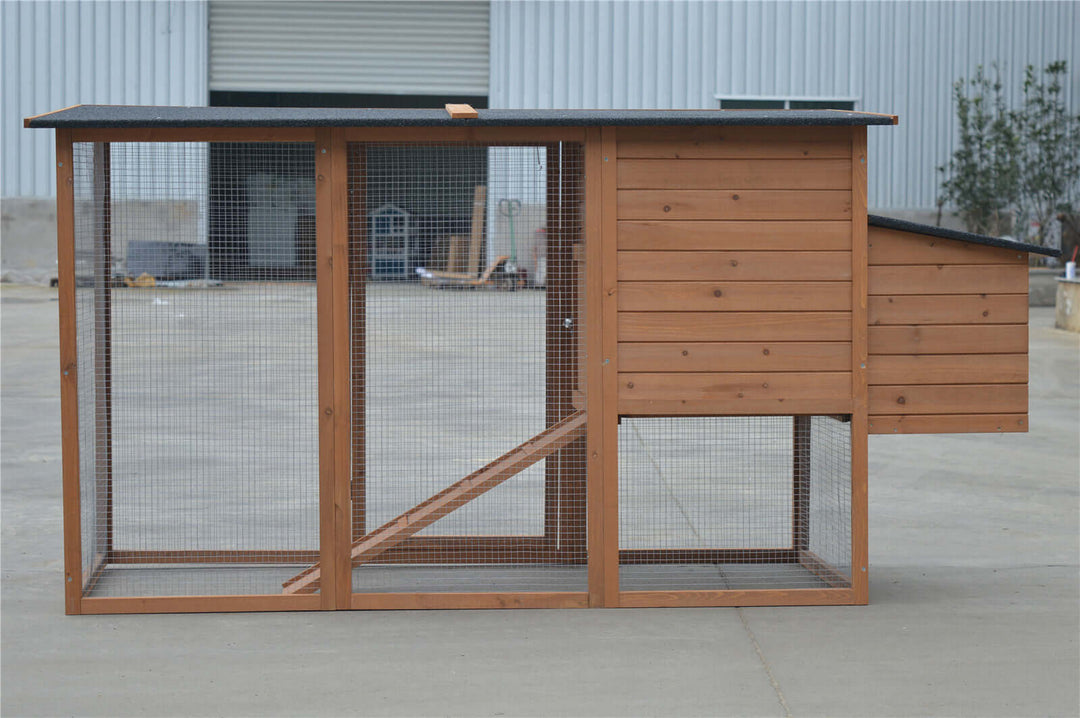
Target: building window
x=785, y=103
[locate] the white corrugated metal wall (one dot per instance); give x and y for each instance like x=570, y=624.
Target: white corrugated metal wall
x=57, y=54
x=894, y=57
x=397, y=48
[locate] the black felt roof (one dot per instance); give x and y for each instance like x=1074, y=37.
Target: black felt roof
x=901, y=225
x=85, y=116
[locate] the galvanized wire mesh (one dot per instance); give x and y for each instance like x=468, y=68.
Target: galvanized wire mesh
x=90, y=218
x=714, y=503
x=466, y=341
x=828, y=534
x=198, y=398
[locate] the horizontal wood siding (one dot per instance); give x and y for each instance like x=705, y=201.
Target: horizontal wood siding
x=948, y=369
x=889, y=246
x=737, y=266
x=734, y=235
x=734, y=356
x=949, y=398
x=948, y=279
x=734, y=143
x=734, y=326
x=948, y=309
x=946, y=423
x=732, y=296
x=947, y=337
x=734, y=174
x=727, y=204
x=734, y=270
x=734, y=392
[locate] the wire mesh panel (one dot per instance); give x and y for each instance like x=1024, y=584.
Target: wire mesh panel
x=198, y=397
x=718, y=503
x=91, y=298
x=468, y=416
x=826, y=530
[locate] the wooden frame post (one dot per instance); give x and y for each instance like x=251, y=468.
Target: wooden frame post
x=594, y=365
x=860, y=565
x=605, y=208
x=324, y=288
x=332, y=275
x=69, y=365
x=340, y=274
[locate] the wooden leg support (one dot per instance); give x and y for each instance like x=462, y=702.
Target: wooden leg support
x=451, y=498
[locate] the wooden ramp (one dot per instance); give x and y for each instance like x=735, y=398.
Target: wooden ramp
x=434, y=278
x=393, y=532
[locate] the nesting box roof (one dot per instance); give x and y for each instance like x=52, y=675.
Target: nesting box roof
x=87, y=116
x=904, y=226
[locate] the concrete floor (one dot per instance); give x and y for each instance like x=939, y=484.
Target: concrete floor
x=975, y=602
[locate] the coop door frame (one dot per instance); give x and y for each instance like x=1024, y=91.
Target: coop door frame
x=564, y=539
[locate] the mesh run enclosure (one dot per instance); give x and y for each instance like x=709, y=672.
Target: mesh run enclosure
x=734, y=503
x=196, y=317
x=198, y=414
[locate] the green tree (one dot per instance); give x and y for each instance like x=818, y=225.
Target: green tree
x=982, y=179
x=1050, y=150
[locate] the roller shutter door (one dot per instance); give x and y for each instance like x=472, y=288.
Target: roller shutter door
x=399, y=48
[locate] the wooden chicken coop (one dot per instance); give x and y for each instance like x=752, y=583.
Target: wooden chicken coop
x=673, y=411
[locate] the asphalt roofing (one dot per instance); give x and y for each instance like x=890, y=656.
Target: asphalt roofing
x=87, y=116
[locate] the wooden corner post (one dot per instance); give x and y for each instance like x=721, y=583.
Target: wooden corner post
x=860, y=565
x=69, y=381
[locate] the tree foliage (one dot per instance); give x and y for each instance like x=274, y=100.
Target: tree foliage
x=1013, y=167
x=982, y=177
x=1050, y=153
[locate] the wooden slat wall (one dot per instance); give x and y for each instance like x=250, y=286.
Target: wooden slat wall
x=734, y=270
x=947, y=335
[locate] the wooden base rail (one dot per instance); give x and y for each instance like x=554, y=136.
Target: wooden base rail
x=707, y=555
x=393, y=532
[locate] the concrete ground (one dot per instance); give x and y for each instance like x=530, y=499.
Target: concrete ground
x=974, y=602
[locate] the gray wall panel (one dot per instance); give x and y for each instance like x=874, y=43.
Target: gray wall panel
x=57, y=54
x=894, y=57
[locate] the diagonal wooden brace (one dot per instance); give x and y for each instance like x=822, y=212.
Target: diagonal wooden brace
x=453, y=497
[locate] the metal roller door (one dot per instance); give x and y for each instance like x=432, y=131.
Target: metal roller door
x=399, y=48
